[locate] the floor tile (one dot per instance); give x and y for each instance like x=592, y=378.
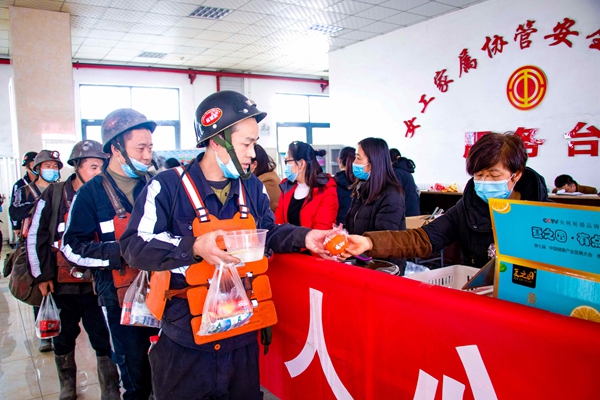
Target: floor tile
x=91, y=392
x=18, y=380
x=14, y=346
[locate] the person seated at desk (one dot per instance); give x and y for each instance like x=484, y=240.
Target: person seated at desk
x=497, y=164
x=569, y=185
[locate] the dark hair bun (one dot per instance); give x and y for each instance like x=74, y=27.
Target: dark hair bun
x=320, y=153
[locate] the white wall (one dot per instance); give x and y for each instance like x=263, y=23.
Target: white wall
x=5, y=128
x=376, y=85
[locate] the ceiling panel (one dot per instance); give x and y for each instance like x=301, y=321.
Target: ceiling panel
x=172, y=8
x=266, y=36
x=405, y=18
x=403, y=5
x=83, y=10
x=432, y=9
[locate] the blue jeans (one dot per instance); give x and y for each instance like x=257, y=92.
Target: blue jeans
x=130, y=352
x=179, y=372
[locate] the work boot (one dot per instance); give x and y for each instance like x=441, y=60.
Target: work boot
x=108, y=377
x=45, y=345
x=67, y=376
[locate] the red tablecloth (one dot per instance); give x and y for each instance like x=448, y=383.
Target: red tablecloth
x=386, y=337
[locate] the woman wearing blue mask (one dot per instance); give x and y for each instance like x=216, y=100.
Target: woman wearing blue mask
x=377, y=197
x=308, y=196
x=497, y=164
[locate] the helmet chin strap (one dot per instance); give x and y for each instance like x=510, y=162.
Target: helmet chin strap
x=76, y=165
x=127, y=159
x=231, y=150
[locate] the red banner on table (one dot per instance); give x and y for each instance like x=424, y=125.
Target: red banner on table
x=350, y=333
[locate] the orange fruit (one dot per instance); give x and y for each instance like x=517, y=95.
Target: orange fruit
x=586, y=312
x=336, y=245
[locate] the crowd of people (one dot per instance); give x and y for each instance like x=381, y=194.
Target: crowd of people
x=115, y=218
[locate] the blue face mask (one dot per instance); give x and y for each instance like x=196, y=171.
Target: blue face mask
x=359, y=172
x=50, y=175
x=138, y=165
x=493, y=189
x=287, y=171
x=229, y=170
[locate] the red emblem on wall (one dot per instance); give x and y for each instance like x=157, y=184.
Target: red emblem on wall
x=527, y=87
x=211, y=116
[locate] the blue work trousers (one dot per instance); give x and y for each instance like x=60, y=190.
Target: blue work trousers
x=130, y=352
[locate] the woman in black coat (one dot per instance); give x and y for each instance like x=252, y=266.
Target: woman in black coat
x=377, y=198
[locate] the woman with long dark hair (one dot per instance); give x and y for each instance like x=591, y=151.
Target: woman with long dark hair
x=404, y=168
x=308, y=196
x=344, y=180
x=377, y=198
x=263, y=166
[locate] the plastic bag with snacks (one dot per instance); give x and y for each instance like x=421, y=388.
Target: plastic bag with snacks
x=227, y=306
x=47, y=324
x=135, y=312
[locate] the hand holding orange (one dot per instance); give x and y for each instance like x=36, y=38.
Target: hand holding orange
x=336, y=245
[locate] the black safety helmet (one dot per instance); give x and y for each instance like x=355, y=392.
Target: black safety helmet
x=220, y=111
x=47, y=155
x=118, y=122
x=217, y=114
x=28, y=157
x=86, y=149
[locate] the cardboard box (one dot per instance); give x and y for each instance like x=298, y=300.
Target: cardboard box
x=417, y=221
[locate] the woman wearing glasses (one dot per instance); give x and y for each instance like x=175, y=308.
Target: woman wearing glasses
x=308, y=196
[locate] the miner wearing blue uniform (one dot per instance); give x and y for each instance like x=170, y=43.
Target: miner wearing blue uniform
x=214, y=189
x=97, y=219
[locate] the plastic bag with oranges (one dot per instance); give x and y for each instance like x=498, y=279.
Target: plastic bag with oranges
x=337, y=241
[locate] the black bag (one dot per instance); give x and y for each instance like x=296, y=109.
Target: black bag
x=21, y=280
x=17, y=264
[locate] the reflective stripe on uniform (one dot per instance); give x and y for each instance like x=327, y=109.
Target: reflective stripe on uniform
x=34, y=261
x=149, y=218
x=83, y=261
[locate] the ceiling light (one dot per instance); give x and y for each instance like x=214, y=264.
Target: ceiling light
x=209, y=12
x=325, y=29
x=148, y=54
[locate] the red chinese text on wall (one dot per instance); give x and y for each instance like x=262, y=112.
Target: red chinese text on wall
x=582, y=142
x=441, y=80
x=562, y=30
x=411, y=127
x=531, y=143
x=523, y=32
